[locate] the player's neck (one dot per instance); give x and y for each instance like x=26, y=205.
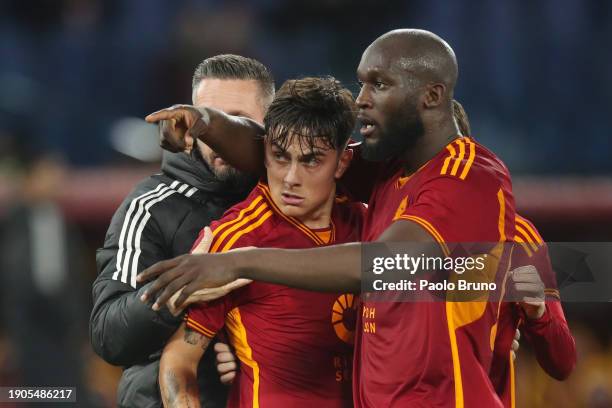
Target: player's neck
x=320, y=217
x=430, y=144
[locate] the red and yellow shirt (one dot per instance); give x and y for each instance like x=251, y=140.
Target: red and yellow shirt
x=434, y=354
x=295, y=346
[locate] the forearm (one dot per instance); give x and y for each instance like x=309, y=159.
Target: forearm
x=178, y=382
x=238, y=140
x=178, y=368
x=333, y=269
x=336, y=268
x=553, y=343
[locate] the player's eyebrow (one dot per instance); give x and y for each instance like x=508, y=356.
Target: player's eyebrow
x=376, y=74
x=313, y=153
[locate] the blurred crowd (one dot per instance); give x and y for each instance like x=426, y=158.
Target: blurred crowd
x=536, y=74
x=534, y=78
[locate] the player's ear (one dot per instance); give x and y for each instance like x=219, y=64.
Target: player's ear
x=434, y=95
x=344, y=162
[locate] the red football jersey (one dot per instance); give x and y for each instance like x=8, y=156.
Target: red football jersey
x=295, y=346
x=553, y=343
x=434, y=354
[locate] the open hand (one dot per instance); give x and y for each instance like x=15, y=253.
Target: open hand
x=187, y=272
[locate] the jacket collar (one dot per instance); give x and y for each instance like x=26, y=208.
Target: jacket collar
x=192, y=170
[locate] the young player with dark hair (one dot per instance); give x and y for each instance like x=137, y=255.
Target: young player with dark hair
x=295, y=346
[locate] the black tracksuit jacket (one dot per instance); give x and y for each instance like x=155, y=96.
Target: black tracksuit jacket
x=160, y=219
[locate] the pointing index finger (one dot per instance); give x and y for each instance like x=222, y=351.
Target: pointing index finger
x=164, y=114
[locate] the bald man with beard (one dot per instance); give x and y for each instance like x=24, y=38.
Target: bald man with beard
x=424, y=184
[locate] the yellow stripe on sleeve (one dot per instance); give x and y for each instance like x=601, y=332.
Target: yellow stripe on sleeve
x=526, y=237
x=552, y=292
x=246, y=230
x=534, y=234
x=199, y=328
x=458, y=159
x=452, y=151
x=524, y=245
x=237, y=226
x=470, y=160
x=240, y=216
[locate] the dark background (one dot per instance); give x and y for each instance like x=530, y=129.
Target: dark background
x=77, y=76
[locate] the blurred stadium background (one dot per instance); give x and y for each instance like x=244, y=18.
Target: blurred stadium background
x=77, y=76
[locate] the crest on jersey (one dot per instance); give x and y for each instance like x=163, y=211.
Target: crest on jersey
x=344, y=317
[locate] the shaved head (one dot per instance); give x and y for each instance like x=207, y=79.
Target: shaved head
x=407, y=81
x=421, y=54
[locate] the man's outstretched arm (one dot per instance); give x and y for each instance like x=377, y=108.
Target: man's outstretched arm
x=335, y=268
x=238, y=140
x=178, y=368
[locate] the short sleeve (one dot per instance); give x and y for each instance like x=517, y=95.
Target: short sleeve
x=208, y=318
x=477, y=209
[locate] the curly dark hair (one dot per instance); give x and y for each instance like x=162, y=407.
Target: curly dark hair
x=312, y=109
